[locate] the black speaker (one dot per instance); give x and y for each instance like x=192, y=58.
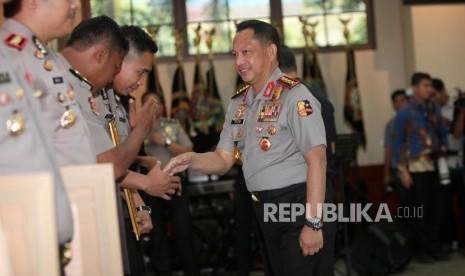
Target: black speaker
x=382, y=248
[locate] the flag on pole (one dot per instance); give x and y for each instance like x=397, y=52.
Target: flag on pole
x=180, y=108
x=200, y=104
x=216, y=103
x=352, y=103
x=154, y=86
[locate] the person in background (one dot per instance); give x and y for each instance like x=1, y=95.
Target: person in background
x=167, y=140
x=391, y=180
x=454, y=161
x=274, y=128
x=421, y=137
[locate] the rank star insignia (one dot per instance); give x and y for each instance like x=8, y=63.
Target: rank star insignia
x=304, y=108
x=16, y=41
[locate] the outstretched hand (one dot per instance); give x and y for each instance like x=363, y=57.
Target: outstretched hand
x=178, y=164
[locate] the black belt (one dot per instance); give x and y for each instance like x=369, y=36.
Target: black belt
x=270, y=194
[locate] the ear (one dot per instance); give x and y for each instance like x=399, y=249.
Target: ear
x=100, y=53
x=272, y=51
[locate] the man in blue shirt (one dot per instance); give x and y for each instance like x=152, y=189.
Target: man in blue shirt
x=399, y=100
x=420, y=135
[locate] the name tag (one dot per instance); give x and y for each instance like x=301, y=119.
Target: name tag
x=237, y=121
x=5, y=78
x=57, y=80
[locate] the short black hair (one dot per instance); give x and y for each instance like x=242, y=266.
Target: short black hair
x=263, y=32
x=438, y=85
x=286, y=59
x=139, y=40
x=397, y=93
x=417, y=77
x=11, y=8
x=99, y=29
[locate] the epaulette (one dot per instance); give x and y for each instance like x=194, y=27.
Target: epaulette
x=15, y=41
x=83, y=80
x=240, y=91
x=288, y=82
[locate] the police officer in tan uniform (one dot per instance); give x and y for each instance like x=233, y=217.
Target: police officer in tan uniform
x=25, y=140
x=92, y=60
x=24, y=35
x=24, y=143
x=274, y=128
x=136, y=65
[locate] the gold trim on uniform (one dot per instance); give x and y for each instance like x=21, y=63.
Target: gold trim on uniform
x=240, y=111
x=272, y=130
x=48, y=65
x=38, y=93
x=15, y=124
x=19, y=93
x=277, y=93
x=70, y=94
x=237, y=155
x=240, y=91
x=287, y=81
x=68, y=119
x=240, y=134
x=60, y=97
x=38, y=54
x=40, y=46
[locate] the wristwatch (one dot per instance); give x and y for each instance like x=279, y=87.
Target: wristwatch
x=315, y=223
x=167, y=142
x=144, y=208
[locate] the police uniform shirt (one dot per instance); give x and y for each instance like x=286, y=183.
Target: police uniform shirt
x=274, y=130
x=61, y=114
x=122, y=118
x=24, y=143
x=176, y=133
x=101, y=112
x=95, y=113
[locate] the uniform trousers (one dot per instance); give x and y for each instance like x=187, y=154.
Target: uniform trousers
x=134, y=250
x=433, y=197
x=279, y=241
x=176, y=214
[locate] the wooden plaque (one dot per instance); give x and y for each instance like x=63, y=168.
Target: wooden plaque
x=96, y=242
x=27, y=214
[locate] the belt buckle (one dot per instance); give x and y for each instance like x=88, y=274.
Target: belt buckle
x=254, y=197
x=66, y=253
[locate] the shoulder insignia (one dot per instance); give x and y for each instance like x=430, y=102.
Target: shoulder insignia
x=240, y=91
x=15, y=41
x=288, y=82
x=83, y=80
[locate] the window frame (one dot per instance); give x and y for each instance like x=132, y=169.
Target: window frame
x=276, y=18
